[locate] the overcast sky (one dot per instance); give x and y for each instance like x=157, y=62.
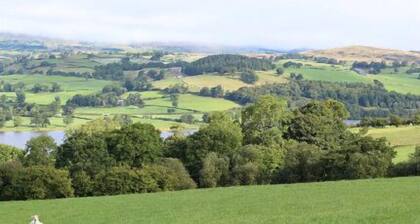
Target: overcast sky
x=270, y=23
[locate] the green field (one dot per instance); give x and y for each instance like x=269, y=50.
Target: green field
x=154, y=112
x=229, y=82
x=394, y=81
x=403, y=138
x=361, y=201
x=70, y=86
x=401, y=82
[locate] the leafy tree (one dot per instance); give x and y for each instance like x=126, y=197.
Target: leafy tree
x=291, y=64
x=20, y=97
x=134, y=99
x=395, y=120
x=358, y=157
x=9, y=172
x=222, y=136
x=217, y=91
x=9, y=153
x=40, y=119
x=205, y=91
x=135, y=145
x=176, y=89
x=279, y=71
x=55, y=106
x=40, y=151
x=249, y=77
x=55, y=87
x=39, y=182
x=187, y=118
x=17, y=121
x=170, y=174
x=319, y=123
x=37, y=88
x=417, y=118
x=256, y=164
x=302, y=163
x=82, y=184
x=124, y=180
x=123, y=119
x=174, y=99
x=68, y=119
x=86, y=148
x=214, y=171
x=265, y=122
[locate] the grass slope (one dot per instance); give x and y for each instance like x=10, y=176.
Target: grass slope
x=360, y=201
x=404, y=139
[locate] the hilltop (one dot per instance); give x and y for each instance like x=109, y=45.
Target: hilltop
x=365, y=53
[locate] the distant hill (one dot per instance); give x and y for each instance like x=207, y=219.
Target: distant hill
x=365, y=53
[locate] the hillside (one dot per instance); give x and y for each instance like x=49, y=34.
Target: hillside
x=365, y=53
x=361, y=201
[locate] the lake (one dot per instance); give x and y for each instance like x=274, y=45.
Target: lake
x=19, y=138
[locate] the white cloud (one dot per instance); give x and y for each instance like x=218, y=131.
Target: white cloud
x=271, y=23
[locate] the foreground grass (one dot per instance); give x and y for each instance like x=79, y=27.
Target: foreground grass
x=361, y=201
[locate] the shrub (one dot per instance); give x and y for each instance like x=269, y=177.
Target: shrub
x=36, y=182
x=82, y=184
x=249, y=77
x=9, y=153
x=214, y=170
x=124, y=180
x=170, y=174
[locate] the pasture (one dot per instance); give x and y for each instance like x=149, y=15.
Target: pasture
x=403, y=138
x=70, y=86
x=358, y=201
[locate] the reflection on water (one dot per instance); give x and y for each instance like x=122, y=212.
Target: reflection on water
x=19, y=138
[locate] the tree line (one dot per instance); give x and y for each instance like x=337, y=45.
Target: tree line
x=362, y=100
x=268, y=144
x=226, y=63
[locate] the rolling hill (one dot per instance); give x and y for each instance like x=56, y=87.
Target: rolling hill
x=365, y=53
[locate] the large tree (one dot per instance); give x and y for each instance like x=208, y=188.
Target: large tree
x=266, y=121
x=319, y=123
x=40, y=151
x=136, y=144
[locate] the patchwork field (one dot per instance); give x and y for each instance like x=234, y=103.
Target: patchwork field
x=360, y=201
x=70, y=86
x=156, y=103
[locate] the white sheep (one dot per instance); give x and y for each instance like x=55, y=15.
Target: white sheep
x=35, y=220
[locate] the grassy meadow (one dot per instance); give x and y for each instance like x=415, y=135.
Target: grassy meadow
x=359, y=201
x=404, y=139
x=70, y=86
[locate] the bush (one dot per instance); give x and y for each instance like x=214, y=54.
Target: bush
x=40, y=151
x=187, y=118
x=214, y=170
x=36, y=182
x=170, y=174
x=302, y=163
x=9, y=172
x=124, y=180
x=9, y=153
x=82, y=184
x=249, y=77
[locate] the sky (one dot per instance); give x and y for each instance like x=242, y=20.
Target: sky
x=281, y=24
